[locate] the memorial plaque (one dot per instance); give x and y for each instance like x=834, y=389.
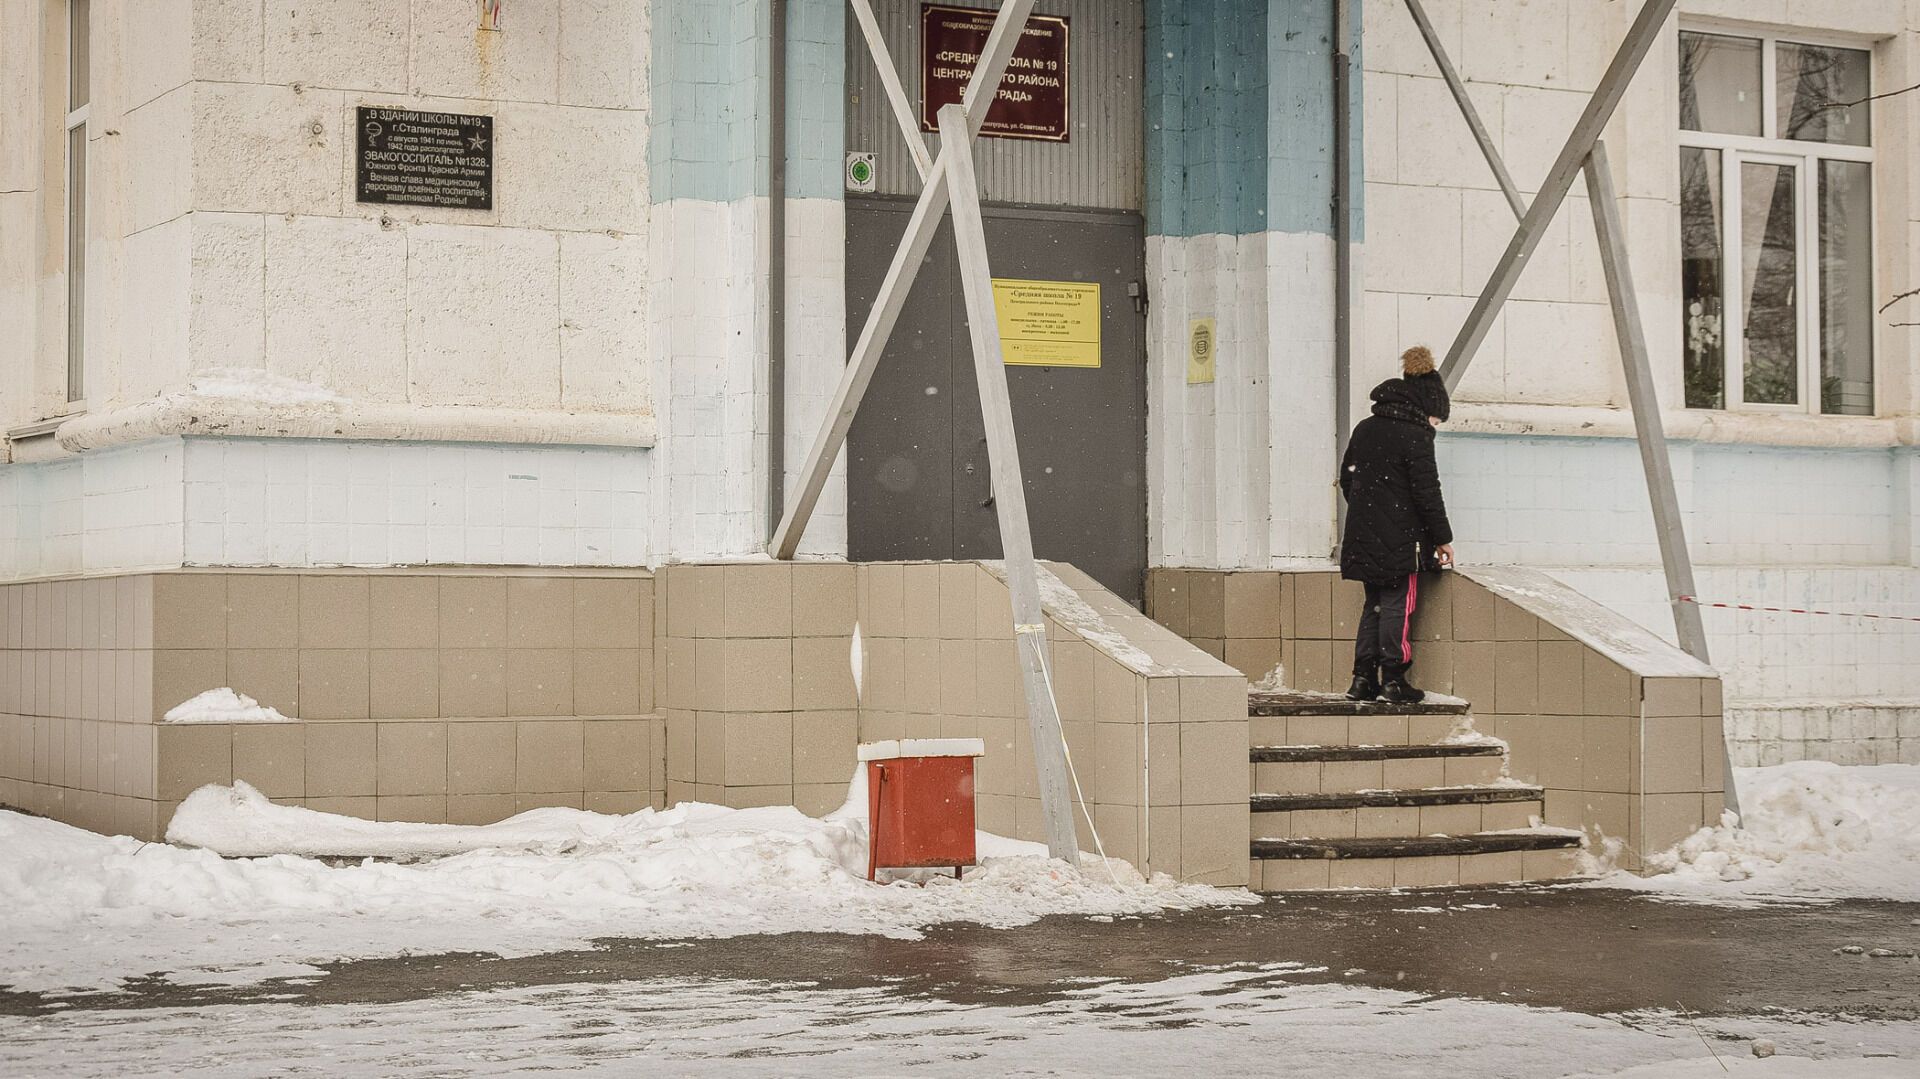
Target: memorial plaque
x=442, y=159
x=1032, y=103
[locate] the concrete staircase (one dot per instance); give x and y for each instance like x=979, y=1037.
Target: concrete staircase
x=1366, y=794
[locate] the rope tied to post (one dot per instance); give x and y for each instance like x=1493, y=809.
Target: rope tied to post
x=1698, y=602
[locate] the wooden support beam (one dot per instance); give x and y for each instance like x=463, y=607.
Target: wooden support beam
x=893, y=291
x=896, y=93
x=1472, y=115
x=1553, y=190
x=1669, y=526
x=1010, y=493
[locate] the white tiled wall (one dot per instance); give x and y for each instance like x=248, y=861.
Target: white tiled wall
x=114, y=509
x=709, y=332
x=317, y=502
x=1787, y=656
x=1583, y=501
x=291, y=502
x=817, y=336
x=1239, y=471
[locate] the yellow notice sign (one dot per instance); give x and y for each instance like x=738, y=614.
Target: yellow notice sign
x=1200, y=342
x=1048, y=323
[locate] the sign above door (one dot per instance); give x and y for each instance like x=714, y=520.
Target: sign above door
x=1032, y=103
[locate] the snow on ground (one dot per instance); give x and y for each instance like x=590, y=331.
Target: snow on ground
x=1812, y=830
x=88, y=910
x=1228, y=1022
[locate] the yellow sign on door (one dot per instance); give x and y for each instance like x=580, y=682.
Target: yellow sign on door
x=1048, y=323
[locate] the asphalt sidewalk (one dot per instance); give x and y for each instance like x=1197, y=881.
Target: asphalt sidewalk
x=1585, y=950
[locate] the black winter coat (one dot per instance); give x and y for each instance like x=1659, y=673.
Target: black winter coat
x=1395, y=515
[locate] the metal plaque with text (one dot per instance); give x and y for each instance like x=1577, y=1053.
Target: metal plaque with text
x=442, y=159
x=1032, y=103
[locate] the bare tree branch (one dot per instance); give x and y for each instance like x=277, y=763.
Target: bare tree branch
x=1897, y=299
x=1869, y=97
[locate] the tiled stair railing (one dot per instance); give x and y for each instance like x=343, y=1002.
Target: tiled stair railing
x=763, y=707
x=1621, y=729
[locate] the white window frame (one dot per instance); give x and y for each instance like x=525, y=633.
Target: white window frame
x=1768, y=148
x=77, y=195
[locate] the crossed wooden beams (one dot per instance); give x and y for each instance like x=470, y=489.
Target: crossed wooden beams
x=950, y=179
x=1584, y=152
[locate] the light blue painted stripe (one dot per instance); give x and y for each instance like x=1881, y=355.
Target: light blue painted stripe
x=708, y=135
x=1240, y=120
x=816, y=96
x=709, y=132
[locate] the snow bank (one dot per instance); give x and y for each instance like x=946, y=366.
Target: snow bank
x=250, y=384
x=1812, y=830
x=222, y=705
x=89, y=909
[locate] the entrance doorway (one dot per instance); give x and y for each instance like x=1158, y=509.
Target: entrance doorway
x=918, y=482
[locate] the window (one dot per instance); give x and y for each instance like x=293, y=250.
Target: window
x=78, y=25
x=1776, y=219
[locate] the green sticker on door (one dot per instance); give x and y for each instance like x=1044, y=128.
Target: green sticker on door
x=1048, y=323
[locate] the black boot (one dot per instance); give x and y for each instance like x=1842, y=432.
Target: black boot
x=1398, y=690
x=1365, y=687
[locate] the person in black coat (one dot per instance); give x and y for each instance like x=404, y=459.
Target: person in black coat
x=1396, y=522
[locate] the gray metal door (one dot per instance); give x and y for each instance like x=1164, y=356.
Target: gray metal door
x=917, y=471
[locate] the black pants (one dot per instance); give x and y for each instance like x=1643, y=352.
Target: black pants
x=1384, y=642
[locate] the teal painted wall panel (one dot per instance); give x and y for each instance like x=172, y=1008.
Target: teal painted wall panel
x=709, y=133
x=816, y=112
x=1240, y=121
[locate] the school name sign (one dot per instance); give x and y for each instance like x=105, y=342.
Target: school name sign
x=1033, y=100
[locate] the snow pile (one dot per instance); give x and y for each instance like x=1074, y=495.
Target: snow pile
x=222, y=705
x=1811, y=830
x=543, y=880
x=252, y=384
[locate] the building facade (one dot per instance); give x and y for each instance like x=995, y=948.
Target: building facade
x=223, y=352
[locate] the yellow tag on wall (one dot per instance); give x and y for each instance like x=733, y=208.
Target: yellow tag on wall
x=1048, y=323
x=1200, y=348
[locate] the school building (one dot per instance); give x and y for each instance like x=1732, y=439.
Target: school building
x=435, y=372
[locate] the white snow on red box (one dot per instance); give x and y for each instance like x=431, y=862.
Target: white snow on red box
x=895, y=748
x=89, y=910
x=1812, y=830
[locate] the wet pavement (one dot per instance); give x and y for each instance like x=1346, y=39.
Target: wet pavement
x=1582, y=950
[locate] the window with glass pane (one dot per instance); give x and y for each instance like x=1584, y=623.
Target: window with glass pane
x=1769, y=280
x=79, y=79
x=1720, y=84
x=1820, y=93
x=76, y=262
x=1846, y=283
x=79, y=21
x=1776, y=224
x=1702, y=261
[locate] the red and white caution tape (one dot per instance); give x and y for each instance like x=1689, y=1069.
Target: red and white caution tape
x=1698, y=602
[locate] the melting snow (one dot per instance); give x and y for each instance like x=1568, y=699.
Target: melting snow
x=85, y=909
x=1812, y=830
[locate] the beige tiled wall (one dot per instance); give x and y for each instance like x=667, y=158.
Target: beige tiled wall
x=468, y=696
x=762, y=706
x=422, y=695
x=1632, y=754
x=756, y=682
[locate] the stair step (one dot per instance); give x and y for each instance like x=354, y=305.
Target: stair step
x=1309, y=754
x=1414, y=847
x=1417, y=796
x=1269, y=703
